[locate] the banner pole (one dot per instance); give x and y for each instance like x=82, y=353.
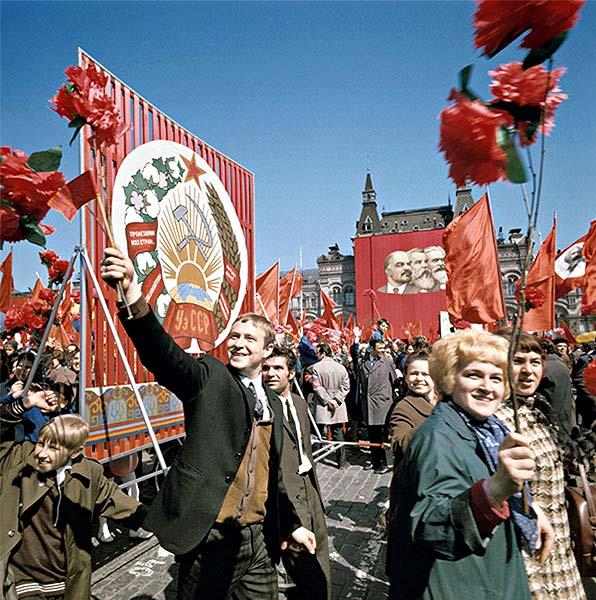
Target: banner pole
x=127, y=367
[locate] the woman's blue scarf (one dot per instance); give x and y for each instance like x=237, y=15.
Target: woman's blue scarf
x=490, y=434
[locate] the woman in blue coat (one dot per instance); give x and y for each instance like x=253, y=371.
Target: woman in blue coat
x=459, y=524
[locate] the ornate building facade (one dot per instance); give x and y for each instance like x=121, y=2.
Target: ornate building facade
x=335, y=273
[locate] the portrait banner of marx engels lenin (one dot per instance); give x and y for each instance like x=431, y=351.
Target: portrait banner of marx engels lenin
x=407, y=273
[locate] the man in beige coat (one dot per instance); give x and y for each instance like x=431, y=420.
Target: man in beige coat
x=331, y=385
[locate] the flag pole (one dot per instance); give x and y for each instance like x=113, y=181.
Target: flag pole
x=301, y=288
x=490, y=212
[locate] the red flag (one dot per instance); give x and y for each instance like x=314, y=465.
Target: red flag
x=373, y=298
x=69, y=198
x=328, y=315
x=567, y=334
x=294, y=326
x=7, y=283
x=58, y=332
x=267, y=294
x=474, y=278
x=541, y=276
x=65, y=305
x=589, y=251
x=350, y=323
x=570, y=268
x=290, y=286
x=37, y=288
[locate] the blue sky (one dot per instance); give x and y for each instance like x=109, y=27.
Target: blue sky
x=301, y=94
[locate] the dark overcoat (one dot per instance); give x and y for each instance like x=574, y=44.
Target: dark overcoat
x=438, y=551
x=378, y=376
x=218, y=415
x=304, y=490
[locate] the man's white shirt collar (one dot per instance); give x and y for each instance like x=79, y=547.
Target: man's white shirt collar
x=260, y=391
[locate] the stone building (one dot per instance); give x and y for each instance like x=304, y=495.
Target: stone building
x=335, y=272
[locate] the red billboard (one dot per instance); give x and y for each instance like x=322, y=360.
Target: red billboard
x=401, y=277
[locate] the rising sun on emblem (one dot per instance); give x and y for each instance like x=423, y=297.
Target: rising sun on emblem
x=189, y=251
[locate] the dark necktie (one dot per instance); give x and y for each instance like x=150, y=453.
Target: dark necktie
x=258, y=403
x=290, y=419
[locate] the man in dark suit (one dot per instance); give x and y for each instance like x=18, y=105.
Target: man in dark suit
x=223, y=509
x=310, y=574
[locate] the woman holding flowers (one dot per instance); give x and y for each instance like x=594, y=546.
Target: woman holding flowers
x=460, y=526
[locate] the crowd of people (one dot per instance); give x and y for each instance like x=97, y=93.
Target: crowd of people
x=477, y=494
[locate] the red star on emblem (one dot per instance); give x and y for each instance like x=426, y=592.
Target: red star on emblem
x=193, y=170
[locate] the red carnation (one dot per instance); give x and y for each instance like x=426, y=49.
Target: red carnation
x=589, y=377
x=48, y=257
x=10, y=230
x=534, y=296
x=529, y=89
x=84, y=99
x=499, y=22
x=27, y=190
x=462, y=324
x=47, y=295
x=56, y=271
x=469, y=141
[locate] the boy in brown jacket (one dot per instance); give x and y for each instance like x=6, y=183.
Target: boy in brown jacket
x=49, y=495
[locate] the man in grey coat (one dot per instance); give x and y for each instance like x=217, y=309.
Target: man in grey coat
x=379, y=374
x=331, y=385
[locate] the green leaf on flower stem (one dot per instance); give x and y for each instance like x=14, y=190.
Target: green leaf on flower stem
x=538, y=56
x=46, y=161
x=32, y=231
x=516, y=173
x=70, y=88
x=464, y=78
x=77, y=123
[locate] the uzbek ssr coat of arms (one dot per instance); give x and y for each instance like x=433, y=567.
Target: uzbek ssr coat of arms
x=175, y=218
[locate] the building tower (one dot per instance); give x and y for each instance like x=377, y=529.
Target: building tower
x=368, y=223
x=463, y=199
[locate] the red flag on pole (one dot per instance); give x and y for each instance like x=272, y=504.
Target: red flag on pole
x=474, y=291
x=328, y=315
x=267, y=294
x=570, y=268
x=7, y=283
x=77, y=192
x=567, y=334
x=294, y=326
x=290, y=286
x=37, y=288
x=541, y=276
x=589, y=252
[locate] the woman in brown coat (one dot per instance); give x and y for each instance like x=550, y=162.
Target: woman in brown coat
x=408, y=414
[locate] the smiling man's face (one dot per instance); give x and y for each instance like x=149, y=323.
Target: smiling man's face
x=246, y=348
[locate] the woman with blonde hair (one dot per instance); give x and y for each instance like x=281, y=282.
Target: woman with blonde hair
x=459, y=525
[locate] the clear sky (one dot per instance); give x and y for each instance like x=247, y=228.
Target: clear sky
x=305, y=95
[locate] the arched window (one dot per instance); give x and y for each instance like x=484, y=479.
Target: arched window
x=337, y=295
x=367, y=225
x=349, y=296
